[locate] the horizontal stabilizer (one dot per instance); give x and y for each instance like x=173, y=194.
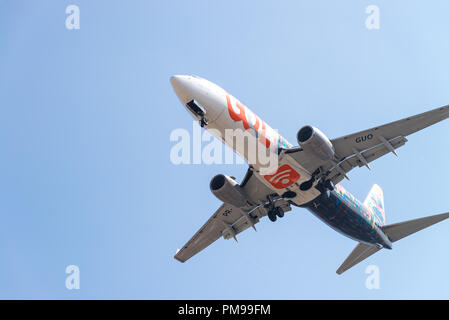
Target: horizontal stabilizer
x=360, y=253
x=401, y=230
x=394, y=232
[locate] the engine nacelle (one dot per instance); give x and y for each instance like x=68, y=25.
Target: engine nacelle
x=314, y=141
x=227, y=190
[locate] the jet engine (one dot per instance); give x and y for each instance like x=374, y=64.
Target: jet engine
x=315, y=142
x=227, y=190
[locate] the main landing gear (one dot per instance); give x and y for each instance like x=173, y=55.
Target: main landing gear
x=321, y=185
x=275, y=212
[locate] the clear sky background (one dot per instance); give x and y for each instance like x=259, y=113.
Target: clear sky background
x=85, y=121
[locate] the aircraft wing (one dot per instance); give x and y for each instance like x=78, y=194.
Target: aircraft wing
x=228, y=221
x=358, y=149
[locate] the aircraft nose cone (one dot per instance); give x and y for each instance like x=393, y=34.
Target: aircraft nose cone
x=182, y=86
x=207, y=96
x=178, y=81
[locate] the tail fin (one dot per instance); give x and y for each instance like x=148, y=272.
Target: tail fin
x=375, y=203
x=394, y=232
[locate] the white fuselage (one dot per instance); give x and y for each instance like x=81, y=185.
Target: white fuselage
x=233, y=123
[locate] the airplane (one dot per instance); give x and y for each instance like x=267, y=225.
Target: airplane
x=307, y=175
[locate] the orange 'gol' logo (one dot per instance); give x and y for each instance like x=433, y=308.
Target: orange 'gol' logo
x=285, y=176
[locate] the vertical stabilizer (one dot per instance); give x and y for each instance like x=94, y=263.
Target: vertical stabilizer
x=375, y=203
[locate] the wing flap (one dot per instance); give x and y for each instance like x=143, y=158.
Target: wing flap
x=369, y=155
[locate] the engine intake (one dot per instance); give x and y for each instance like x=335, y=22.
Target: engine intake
x=314, y=141
x=304, y=134
x=227, y=190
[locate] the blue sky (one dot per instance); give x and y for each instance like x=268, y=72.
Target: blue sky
x=85, y=121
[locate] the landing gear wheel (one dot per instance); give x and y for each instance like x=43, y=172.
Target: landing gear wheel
x=279, y=212
x=272, y=215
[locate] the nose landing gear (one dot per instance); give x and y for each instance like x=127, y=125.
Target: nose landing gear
x=203, y=122
x=199, y=111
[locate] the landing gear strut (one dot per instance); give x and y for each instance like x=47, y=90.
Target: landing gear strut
x=326, y=185
x=329, y=185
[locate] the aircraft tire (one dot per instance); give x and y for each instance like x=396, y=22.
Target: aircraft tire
x=272, y=215
x=279, y=212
